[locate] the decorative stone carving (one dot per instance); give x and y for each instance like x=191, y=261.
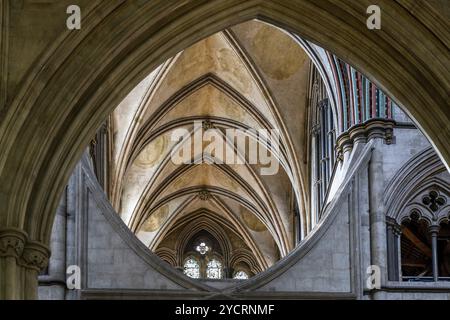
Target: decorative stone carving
x=339, y=155
x=315, y=130
x=207, y=124
x=204, y=195
x=12, y=242
x=429, y=204
x=434, y=201
x=393, y=226
x=35, y=255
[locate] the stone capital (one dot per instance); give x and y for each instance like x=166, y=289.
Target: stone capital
x=35, y=255
x=31, y=254
x=363, y=132
x=12, y=242
x=394, y=226
x=434, y=229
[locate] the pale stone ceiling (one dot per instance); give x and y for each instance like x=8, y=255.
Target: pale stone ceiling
x=234, y=79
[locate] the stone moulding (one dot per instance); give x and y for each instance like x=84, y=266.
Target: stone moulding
x=133, y=242
x=4, y=51
x=411, y=183
x=364, y=132
x=204, y=195
x=247, y=286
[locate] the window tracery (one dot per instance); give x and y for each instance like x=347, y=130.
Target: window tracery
x=202, y=248
x=203, y=260
x=419, y=239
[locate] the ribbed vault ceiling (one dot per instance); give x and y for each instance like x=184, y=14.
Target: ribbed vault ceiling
x=250, y=76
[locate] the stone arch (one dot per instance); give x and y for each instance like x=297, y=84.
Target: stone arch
x=422, y=177
x=209, y=226
x=403, y=194
x=51, y=119
x=168, y=255
x=243, y=256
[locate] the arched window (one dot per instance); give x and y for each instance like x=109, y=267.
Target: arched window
x=241, y=275
x=203, y=258
x=192, y=268
x=322, y=144
x=214, y=269
x=324, y=149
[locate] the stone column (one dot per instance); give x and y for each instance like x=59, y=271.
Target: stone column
x=434, y=231
x=393, y=248
x=20, y=263
x=378, y=247
x=399, y=253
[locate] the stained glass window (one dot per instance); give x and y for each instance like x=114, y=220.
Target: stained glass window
x=240, y=275
x=214, y=269
x=192, y=268
x=202, y=248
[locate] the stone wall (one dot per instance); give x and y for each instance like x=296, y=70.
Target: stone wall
x=330, y=263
